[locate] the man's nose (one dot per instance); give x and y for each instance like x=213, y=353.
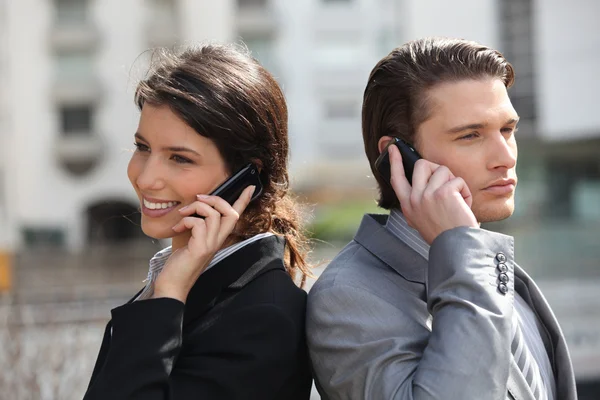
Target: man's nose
x=503, y=152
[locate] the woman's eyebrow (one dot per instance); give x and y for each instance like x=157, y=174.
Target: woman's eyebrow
x=170, y=148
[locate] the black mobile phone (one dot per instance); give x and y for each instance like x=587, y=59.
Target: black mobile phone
x=409, y=158
x=232, y=188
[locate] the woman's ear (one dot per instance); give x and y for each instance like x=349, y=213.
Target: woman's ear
x=258, y=164
x=383, y=141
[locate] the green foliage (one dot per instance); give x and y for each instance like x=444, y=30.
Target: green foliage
x=339, y=222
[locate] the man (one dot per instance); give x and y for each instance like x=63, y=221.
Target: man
x=423, y=303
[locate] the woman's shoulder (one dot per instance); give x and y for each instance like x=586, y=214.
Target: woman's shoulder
x=271, y=301
x=275, y=287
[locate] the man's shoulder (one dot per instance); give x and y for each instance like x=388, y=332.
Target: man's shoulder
x=349, y=267
x=354, y=270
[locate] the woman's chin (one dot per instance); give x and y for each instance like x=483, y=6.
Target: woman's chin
x=158, y=233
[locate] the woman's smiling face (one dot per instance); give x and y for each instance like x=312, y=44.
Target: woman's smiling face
x=171, y=165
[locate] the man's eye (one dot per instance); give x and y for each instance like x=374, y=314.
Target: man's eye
x=469, y=136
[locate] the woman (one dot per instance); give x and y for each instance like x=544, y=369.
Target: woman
x=220, y=317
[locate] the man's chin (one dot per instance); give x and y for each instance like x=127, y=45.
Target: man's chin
x=494, y=214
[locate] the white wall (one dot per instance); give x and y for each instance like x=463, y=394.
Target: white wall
x=207, y=20
x=30, y=188
x=567, y=39
x=468, y=19
x=6, y=221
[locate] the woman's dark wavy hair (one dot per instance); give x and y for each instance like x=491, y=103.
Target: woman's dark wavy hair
x=228, y=97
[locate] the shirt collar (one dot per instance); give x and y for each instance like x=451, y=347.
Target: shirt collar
x=398, y=226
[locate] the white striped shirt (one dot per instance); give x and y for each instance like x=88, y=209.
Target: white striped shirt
x=530, y=324
x=158, y=262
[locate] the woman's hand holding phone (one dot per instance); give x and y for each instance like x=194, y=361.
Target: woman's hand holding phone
x=208, y=234
x=437, y=200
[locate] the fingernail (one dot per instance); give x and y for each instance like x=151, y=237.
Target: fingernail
x=253, y=189
x=183, y=208
x=202, y=196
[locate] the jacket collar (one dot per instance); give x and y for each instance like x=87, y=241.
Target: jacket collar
x=256, y=258
x=373, y=236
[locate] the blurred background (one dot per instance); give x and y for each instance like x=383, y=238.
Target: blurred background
x=70, y=245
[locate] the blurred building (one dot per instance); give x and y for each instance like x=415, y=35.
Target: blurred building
x=67, y=117
x=68, y=74
x=73, y=65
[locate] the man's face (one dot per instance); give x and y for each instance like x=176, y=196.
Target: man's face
x=471, y=131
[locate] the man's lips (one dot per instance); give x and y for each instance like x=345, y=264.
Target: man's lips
x=501, y=187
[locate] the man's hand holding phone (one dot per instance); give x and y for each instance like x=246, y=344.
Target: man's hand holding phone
x=437, y=200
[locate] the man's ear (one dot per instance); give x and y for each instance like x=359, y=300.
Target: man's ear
x=383, y=141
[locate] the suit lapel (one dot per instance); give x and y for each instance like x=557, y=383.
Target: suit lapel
x=373, y=236
x=258, y=256
x=563, y=369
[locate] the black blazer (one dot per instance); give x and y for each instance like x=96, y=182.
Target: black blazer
x=239, y=336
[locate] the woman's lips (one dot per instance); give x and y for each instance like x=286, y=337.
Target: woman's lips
x=157, y=212
x=157, y=208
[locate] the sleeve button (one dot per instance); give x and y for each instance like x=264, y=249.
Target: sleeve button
x=502, y=268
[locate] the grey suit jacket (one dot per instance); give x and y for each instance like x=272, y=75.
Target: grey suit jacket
x=382, y=323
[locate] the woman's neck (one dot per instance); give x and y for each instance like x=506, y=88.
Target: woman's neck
x=180, y=241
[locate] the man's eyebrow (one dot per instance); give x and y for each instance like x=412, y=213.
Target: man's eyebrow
x=467, y=127
x=461, y=128
x=171, y=148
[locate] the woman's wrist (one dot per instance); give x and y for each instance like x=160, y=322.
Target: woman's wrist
x=170, y=292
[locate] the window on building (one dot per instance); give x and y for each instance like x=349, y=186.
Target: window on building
x=252, y=3
x=262, y=48
x=517, y=21
x=44, y=237
x=74, y=65
x=76, y=120
x=71, y=12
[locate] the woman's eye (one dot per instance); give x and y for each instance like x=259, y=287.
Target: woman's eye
x=180, y=160
x=141, y=147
